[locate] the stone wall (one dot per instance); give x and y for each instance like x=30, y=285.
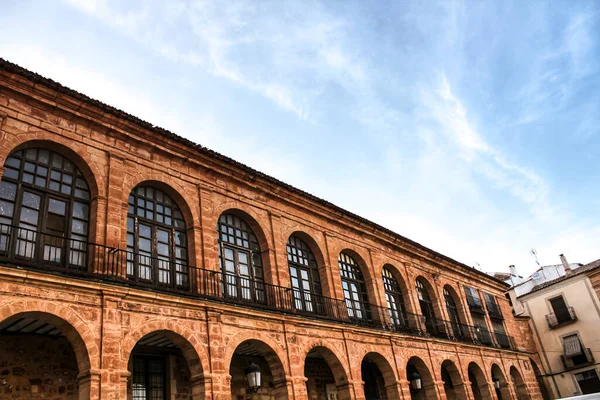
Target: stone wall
x=104, y=322
x=37, y=367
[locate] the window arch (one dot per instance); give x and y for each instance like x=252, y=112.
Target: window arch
x=355, y=290
x=44, y=209
x=394, y=299
x=156, y=239
x=426, y=307
x=304, y=276
x=452, y=313
x=240, y=259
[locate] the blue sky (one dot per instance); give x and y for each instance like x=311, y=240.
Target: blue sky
x=470, y=127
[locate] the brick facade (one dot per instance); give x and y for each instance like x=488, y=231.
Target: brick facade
x=103, y=321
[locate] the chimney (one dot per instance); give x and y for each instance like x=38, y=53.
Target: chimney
x=513, y=270
x=565, y=264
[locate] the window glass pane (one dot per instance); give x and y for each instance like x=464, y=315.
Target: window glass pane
x=6, y=208
x=31, y=200
x=57, y=207
x=29, y=216
x=80, y=210
x=8, y=190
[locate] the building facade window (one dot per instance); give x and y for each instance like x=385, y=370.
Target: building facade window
x=492, y=306
x=156, y=239
x=426, y=307
x=44, y=209
x=473, y=300
x=394, y=299
x=453, y=314
x=240, y=259
x=304, y=276
x=355, y=290
x=562, y=313
x=149, y=378
x=588, y=381
x=500, y=333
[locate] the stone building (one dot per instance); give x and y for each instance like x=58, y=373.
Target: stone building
x=137, y=265
x=564, y=315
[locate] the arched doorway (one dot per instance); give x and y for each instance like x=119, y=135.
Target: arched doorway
x=258, y=355
x=479, y=384
x=378, y=376
x=500, y=383
x=539, y=376
x=453, y=383
x=164, y=365
x=520, y=386
x=421, y=384
x=43, y=355
x=325, y=375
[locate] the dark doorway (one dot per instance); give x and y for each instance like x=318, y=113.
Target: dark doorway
x=373, y=379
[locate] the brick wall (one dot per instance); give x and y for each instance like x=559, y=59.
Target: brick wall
x=37, y=367
x=103, y=322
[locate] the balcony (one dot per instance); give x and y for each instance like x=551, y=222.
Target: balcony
x=32, y=250
x=566, y=317
x=575, y=361
x=504, y=341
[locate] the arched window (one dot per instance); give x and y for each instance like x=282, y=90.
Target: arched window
x=156, y=239
x=44, y=209
x=355, y=291
x=393, y=297
x=453, y=314
x=304, y=275
x=240, y=258
x=426, y=307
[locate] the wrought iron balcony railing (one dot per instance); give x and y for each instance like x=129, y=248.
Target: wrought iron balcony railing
x=558, y=319
x=25, y=248
x=586, y=357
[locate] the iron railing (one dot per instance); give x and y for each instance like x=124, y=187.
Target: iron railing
x=555, y=320
x=30, y=249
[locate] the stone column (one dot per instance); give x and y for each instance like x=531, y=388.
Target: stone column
x=299, y=388
x=89, y=385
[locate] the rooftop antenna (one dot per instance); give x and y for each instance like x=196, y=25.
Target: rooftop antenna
x=533, y=253
x=477, y=266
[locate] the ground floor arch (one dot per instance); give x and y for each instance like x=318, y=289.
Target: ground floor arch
x=479, y=384
x=43, y=355
x=539, y=376
x=380, y=382
x=421, y=383
x=164, y=365
x=519, y=384
x=325, y=375
x=257, y=354
x=501, y=385
x=453, y=383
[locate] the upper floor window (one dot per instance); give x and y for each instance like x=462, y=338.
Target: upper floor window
x=473, y=300
x=304, y=275
x=156, y=238
x=44, y=209
x=451, y=306
x=426, y=306
x=394, y=299
x=562, y=313
x=492, y=306
x=355, y=291
x=240, y=258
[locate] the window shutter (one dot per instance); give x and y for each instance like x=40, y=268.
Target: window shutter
x=572, y=345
